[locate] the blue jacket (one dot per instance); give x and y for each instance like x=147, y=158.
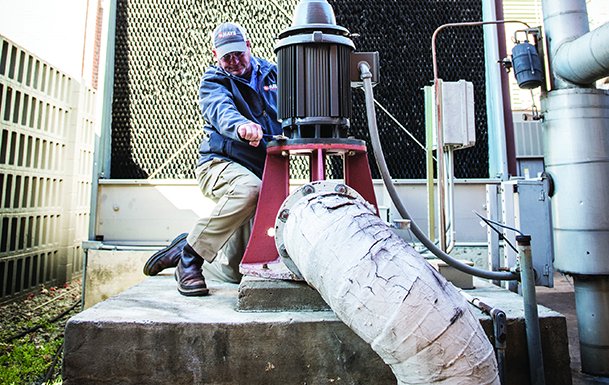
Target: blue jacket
x=228, y=101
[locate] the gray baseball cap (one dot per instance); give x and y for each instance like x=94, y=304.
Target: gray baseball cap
x=229, y=37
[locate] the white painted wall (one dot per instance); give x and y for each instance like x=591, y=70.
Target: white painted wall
x=153, y=212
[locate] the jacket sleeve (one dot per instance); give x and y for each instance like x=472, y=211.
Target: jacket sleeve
x=218, y=107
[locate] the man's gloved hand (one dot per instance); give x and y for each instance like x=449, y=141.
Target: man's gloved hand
x=250, y=132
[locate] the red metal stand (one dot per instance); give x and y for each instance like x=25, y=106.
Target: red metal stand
x=261, y=257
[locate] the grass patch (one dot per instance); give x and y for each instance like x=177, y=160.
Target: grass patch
x=31, y=335
x=26, y=362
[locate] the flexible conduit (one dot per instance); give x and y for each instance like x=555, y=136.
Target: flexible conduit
x=366, y=77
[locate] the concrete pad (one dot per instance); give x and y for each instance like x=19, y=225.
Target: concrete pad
x=150, y=334
x=267, y=295
x=452, y=275
x=109, y=272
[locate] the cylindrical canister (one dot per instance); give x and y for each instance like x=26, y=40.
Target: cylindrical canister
x=527, y=66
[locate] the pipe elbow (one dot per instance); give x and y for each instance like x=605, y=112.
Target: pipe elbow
x=584, y=60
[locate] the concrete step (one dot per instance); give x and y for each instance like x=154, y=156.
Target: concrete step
x=150, y=334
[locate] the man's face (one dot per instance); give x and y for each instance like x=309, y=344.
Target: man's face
x=236, y=63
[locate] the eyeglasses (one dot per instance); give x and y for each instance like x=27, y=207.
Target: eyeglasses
x=232, y=56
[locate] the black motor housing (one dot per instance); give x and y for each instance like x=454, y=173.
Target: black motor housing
x=314, y=88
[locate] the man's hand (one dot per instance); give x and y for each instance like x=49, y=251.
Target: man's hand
x=250, y=132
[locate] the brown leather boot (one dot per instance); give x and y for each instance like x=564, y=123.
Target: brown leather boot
x=166, y=257
x=188, y=274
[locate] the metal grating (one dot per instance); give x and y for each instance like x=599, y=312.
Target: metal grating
x=528, y=136
x=46, y=157
x=163, y=47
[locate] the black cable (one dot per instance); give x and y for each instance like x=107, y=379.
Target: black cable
x=36, y=327
x=499, y=224
x=49, y=375
x=490, y=223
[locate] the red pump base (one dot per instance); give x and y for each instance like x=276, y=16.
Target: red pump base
x=261, y=258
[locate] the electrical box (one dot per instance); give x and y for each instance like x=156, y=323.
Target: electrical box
x=525, y=205
x=373, y=61
x=457, y=111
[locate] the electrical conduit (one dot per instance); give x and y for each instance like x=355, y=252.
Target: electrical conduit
x=366, y=77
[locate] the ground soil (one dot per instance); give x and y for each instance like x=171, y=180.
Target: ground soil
x=31, y=334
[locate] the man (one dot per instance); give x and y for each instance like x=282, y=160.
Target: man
x=238, y=99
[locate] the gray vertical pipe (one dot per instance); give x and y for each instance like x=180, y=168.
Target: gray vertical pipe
x=592, y=299
x=510, y=139
x=531, y=316
x=564, y=21
x=495, y=100
x=576, y=149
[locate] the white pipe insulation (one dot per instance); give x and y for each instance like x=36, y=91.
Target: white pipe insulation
x=383, y=289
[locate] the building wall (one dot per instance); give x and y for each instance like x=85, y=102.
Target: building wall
x=46, y=152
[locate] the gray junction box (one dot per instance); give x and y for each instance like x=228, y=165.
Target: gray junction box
x=525, y=205
x=457, y=111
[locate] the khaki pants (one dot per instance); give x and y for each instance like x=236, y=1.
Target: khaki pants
x=222, y=236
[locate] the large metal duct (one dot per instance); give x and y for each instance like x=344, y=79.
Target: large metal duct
x=583, y=61
x=576, y=141
x=576, y=154
x=578, y=56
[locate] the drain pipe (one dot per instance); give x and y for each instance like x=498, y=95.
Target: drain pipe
x=380, y=287
x=576, y=152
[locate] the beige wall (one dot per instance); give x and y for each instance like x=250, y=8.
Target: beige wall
x=46, y=159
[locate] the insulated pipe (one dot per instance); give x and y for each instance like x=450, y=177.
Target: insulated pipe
x=366, y=77
x=532, y=321
x=386, y=292
x=577, y=57
x=585, y=60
